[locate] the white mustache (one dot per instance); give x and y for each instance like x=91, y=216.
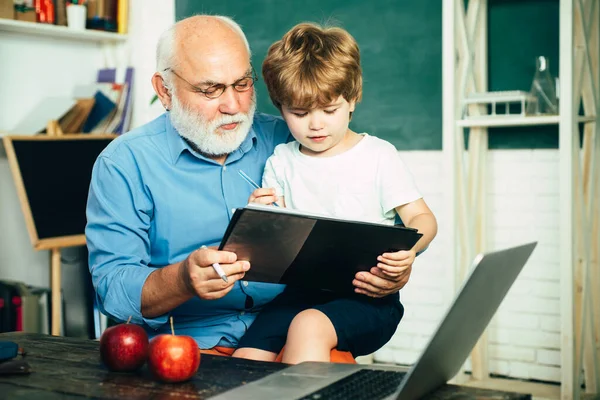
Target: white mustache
x=228, y=119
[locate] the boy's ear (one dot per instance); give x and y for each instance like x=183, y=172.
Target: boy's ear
x=352, y=107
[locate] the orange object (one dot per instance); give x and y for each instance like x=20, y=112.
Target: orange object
x=45, y=11
x=342, y=357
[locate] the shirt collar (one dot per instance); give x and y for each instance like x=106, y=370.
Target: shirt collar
x=177, y=145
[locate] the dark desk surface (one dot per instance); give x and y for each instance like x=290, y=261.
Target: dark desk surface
x=68, y=368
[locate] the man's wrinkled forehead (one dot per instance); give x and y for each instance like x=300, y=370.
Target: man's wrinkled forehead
x=217, y=57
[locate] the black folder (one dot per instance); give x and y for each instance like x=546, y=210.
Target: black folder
x=310, y=251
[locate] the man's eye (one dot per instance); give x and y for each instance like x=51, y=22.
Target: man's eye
x=212, y=89
x=244, y=83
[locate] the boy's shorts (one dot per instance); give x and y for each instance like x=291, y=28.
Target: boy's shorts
x=362, y=324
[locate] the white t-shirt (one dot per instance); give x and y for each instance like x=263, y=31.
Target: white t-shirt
x=365, y=183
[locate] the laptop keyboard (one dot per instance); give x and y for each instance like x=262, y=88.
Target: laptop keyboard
x=367, y=384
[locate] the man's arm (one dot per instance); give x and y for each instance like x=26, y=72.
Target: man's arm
x=119, y=213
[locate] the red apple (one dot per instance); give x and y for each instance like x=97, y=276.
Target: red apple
x=124, y=347
x=173, y=358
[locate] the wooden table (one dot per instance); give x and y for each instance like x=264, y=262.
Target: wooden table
x=68, y=368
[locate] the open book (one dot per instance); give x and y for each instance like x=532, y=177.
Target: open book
x=309, y=250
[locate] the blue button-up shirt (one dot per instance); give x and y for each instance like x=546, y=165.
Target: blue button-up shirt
x=152, y=201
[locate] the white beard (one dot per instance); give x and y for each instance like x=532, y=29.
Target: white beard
x=203, y=134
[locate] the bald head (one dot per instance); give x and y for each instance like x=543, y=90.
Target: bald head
x=193, y=38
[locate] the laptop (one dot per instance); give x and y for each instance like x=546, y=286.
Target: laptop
x=491, y=277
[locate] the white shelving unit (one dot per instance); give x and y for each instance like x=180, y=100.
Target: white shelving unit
x=31, y=28
x=490, y=122
x=465, y=71
x=42, y=60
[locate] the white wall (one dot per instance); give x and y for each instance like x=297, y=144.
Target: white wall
x=148, y=20
x=524, y=337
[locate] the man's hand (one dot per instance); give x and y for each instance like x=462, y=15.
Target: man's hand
x=263, y=196
x=201, y=279
x=389, y=276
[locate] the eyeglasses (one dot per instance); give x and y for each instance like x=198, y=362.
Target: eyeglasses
x=212, y=92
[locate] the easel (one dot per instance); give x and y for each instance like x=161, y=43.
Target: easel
x=54, y=244
x=53, y=128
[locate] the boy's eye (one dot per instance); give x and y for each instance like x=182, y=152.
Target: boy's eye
x=299, y=114
x=331, y=111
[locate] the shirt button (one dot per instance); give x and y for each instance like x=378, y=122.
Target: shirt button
x=245, y=283
x=224, y=168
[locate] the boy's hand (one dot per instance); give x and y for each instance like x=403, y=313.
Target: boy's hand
x=396, y=264
x=389, y=276
x=263, y=196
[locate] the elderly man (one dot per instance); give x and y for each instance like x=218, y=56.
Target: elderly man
x=162, y=192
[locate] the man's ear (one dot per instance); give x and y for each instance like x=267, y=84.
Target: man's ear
x=164, y=95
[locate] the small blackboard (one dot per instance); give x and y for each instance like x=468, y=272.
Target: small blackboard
x=52, y=175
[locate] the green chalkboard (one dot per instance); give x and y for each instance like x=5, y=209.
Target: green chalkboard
x=401, y=48
x=401, y=55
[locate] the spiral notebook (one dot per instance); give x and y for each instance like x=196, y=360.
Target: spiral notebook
x=309, y=250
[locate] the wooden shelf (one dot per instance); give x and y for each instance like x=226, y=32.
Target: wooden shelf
x=66, y=136
x=515, y=121
x=63, y=32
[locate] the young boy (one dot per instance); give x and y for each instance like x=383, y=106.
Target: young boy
x=313, y=75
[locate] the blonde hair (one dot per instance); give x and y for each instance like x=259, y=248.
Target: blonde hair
x=311, y=66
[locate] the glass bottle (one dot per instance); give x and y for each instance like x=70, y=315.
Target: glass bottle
x=543, y=93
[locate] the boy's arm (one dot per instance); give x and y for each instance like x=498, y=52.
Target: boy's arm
x=418, y=215
x=393, y=269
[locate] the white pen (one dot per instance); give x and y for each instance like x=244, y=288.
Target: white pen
x=218, y=269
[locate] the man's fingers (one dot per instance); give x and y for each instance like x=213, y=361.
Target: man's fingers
x=366, y=293
x=205, y=257
x=239, y=267
x=216, y=287
x=216, y=294
x=374, y=290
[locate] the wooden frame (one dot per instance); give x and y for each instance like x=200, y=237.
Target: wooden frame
x=580, y=181
x=53, y=244
x=464, y=59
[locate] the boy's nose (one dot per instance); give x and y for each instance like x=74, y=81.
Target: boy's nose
x=315, y=124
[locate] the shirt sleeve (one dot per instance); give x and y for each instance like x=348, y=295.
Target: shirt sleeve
x=119, y=212
x=396, y=184
x=271, y=175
